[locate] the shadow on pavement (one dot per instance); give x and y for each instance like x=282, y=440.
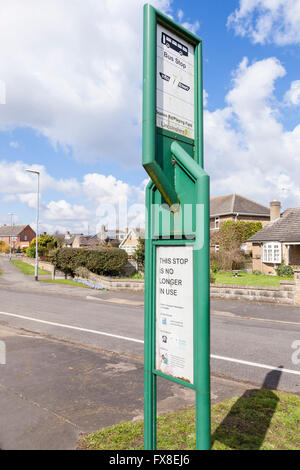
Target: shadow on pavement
x=248, y=421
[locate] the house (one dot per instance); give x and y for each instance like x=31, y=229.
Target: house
x=236, y=207
x=131, y=240
x=86, y=241
x=278, y=242
x=18, y=236
x=111, y=236
x=66, y=239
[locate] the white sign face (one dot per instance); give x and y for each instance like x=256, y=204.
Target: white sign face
x=174, y=311
x=174, y=83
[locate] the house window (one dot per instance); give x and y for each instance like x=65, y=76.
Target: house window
x=25, y=238
x=217, y=223
x=272, y=253
x=217, y=248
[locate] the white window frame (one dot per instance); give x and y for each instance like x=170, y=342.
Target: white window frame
x=271, y=252
x=217, y=248
x=217, y=223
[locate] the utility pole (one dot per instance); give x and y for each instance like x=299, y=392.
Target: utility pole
x=10, y=238
x=37, y=222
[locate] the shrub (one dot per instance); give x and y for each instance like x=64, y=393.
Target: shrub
x=284, y=270
x=82, y=272
x=30, y=251
x=227, y=260
x=214, y=267
x=106, y=261
x=4, y=247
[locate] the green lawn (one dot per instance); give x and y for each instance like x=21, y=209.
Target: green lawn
x=249, y=279
x=68, y=282
x=261, y=419
x=27, y=268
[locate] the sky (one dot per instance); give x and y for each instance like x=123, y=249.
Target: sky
x=71, y=105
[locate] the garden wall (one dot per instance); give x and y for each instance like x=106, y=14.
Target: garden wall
x=280, y=295
x=115, y=283
x=285, y=294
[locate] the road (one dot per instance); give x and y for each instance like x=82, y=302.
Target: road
x=75, y=359
x=118, y=328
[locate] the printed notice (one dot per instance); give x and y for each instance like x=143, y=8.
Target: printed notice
x=174, y=83
x=174, y=311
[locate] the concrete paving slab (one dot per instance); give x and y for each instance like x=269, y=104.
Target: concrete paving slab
x=52, y=392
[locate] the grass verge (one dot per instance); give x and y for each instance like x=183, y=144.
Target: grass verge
x=260, y=419
x=247, y=279
x=26, y=268
x=68, y=282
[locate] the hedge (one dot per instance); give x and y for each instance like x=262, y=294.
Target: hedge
x=105, y=261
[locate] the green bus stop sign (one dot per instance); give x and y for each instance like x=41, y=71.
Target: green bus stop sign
x=177, y=318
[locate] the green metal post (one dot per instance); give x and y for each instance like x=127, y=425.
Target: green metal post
x=175, y=166
x=149, y=377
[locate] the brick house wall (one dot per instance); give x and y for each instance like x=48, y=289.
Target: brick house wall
x=26, y=236
x=22, y=240
x=224, y=218
x=258, y=264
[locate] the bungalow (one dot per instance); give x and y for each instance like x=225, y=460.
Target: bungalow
x=131, y=241
x=278, y=242
x=18, y=236
x=66, y=240
x=111, y=236
x=86, y=241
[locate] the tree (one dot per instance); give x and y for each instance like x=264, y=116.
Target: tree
x=230, y=237
x=46, y=243
x=4, y=247
x=139, y=254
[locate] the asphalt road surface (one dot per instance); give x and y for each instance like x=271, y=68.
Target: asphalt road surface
x=242, y=348
x=74, y=359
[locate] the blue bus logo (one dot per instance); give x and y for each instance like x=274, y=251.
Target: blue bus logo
x=174, y=44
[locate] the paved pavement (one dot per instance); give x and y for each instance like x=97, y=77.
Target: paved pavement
x=12, y=279
x=75, y=365
x=52, y=392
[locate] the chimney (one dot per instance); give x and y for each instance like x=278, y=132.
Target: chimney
x=275, y=207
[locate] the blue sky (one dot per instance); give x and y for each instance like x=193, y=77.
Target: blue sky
x=71, y=106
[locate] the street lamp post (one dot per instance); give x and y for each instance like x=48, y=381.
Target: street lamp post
x=11, y=227
x=37, y=222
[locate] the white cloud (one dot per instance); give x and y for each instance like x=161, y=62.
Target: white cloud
x=292, y=96
x=15, y=180
x=29, y=198
x=247, y=149
x=73, y=72
x=193, y=26
x=267, y=21
x=105, y=189
x=63, y=210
